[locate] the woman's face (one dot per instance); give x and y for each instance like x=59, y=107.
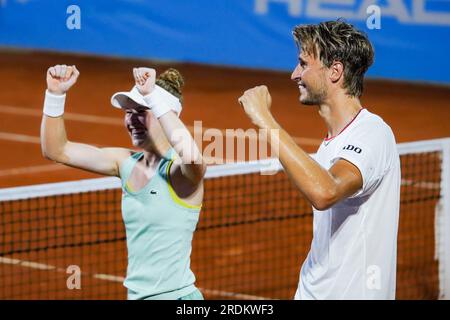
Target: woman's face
x=142, y=126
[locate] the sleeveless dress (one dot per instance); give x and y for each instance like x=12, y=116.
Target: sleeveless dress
x=159, y=230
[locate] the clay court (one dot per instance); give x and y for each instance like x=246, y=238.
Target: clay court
x=229, y=259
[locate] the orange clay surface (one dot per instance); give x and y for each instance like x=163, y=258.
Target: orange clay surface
x=415, y=112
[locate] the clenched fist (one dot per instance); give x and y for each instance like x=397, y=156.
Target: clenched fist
x=256, y=103
x=60, y=78
x=145, y=79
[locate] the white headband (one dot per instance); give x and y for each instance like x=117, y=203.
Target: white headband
x=161, y=97
x=158, y=97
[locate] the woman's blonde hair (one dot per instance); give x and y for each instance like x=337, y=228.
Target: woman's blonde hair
x=172, y=81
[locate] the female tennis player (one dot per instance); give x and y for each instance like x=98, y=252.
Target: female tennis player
x=162, y=184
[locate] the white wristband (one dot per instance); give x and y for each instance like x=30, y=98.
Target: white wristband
x=160, y=101
x=54, y=104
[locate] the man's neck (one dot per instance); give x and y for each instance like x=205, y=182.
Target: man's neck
x=338, y=112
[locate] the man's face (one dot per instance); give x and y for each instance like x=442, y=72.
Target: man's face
x=310, y=77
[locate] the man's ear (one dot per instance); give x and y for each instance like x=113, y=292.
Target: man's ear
x=337, y=71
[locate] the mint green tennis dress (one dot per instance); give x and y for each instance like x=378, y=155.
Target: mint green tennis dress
x=159, y=229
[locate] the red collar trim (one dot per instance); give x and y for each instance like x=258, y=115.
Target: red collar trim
x=348, y=124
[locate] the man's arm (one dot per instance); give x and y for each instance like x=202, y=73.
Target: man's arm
x=323, y=188
x=54, y=143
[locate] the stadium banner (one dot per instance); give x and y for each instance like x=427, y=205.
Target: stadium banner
x=411, y=37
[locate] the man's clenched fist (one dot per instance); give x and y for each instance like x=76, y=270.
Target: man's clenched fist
x=256, y=103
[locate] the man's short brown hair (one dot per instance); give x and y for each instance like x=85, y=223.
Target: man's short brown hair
x=338, y=41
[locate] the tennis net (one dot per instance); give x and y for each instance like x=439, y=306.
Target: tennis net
x=254, y=232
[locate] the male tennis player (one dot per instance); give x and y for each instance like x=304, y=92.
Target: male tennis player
x=353, y=182
x=162, y=184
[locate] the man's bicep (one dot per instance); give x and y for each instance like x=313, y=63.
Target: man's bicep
x=348, y=178
x=105, y=161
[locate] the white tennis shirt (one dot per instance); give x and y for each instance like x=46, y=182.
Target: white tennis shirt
x=354, y=248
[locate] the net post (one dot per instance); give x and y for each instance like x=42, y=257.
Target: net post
x=445, y=189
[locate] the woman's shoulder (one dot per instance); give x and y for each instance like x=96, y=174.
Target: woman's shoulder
x=136, y=154
x=126, y=156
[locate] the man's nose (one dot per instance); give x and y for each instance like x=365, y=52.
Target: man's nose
x=296, y=74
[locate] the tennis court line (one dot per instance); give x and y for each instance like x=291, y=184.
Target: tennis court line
x=32, y=169
x=27, y=264
x=108, y=277
x=113, y=278
x=119, y=122
x=239, y=296
x=19, y=137
x=67, y=115
x=421, y=184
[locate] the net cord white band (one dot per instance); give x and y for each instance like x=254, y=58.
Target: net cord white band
x=231, y=169
x=444, y=261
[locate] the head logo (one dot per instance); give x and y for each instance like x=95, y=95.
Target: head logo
x=404, y=11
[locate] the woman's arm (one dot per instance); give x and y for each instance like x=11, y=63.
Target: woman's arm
x=54, y=143
x=192, y=164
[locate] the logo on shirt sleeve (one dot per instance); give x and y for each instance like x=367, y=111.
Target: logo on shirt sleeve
x=352, y=148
